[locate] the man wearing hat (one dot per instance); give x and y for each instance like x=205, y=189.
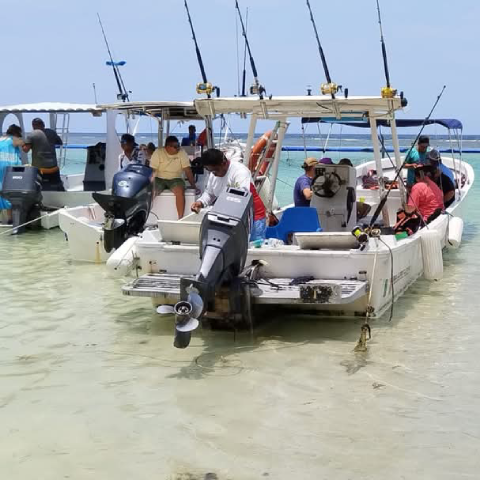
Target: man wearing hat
x=444, y=181
x=302, y=192
x=416, y=157
x=131, y=153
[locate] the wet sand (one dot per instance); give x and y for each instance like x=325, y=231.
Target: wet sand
x=91, y=386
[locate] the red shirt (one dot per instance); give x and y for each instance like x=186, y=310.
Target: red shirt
x=427, y=197
x=258, y=206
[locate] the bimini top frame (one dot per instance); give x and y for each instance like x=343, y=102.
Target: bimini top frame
x=368, y=109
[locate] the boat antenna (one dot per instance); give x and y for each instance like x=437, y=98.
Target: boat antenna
x=122, y=91
x=329, y=87
x=205, y=87
x=95, y=93
x=388, y=91
x=244, y=74
x=256, y=88
x=387, y=193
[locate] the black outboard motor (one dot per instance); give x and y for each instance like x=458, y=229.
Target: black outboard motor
x=224, y=237
x=22, y=188
x=128, y=207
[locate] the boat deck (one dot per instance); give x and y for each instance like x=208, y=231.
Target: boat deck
x=272, y=291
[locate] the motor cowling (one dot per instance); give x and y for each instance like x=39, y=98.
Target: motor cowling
x=128, y=206
x=22, y=188
x=224, y=236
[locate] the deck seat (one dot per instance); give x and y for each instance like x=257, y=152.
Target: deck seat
x=294, y=220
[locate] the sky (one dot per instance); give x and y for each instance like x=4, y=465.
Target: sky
x=54, y=51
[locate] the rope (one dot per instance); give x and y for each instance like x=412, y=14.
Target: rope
x=24, y=224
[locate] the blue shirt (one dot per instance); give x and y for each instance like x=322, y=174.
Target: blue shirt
x=298, y=197
x=188, y=141
x=446, y=171
x=414, y=157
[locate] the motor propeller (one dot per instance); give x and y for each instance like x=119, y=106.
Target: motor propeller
x=186, y=316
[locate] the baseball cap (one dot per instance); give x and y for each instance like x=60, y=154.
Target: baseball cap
x=309, y=162
x=433, y=156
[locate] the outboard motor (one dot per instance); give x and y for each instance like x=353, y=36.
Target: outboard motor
x=128, y=207
x=334, y=197
x=224, y=236
x=22, y=188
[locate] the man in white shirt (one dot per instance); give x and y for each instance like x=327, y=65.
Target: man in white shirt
x=169, y=164
x=224, y=174
x=131, y=153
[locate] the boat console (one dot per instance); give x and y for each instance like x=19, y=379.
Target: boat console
x=334, y=197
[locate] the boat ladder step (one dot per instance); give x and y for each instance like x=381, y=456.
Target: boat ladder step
x=263, y=291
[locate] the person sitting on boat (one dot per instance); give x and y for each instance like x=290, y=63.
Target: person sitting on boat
x=417, y=156
x=42, y=142
x=192, y=137
x=442, y=179
x=224, y=174
x=10, y=156
x=425, y=197
x=169, y=164
x=302, y=191
x=132, y=153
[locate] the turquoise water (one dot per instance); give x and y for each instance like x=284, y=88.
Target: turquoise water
x=92, y=388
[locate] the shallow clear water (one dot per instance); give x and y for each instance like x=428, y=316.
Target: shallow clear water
x=91, y=387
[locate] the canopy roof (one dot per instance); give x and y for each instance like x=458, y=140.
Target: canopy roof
x=52, y=107
x=450, y=123
x=301, y=106
x=172, y=110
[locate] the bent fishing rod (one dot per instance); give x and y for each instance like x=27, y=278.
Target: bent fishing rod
x=257, y=88
x=123, y=92
x=204, y=87
x=387, y=193
x=330, y=87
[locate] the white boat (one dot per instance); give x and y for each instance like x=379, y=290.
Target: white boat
x=99, y=167
x=331, y=272
x=83, y=224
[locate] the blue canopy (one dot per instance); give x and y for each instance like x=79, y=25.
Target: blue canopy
x=450, y=123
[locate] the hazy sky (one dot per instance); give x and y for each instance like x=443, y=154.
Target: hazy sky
x=54, y=50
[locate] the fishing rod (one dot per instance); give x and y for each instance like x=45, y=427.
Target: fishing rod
x=388, y=91
x=329, y=87
x=256, y=88
x=384, y=199
x=122, y=91
x=205, y=87
x=244, y=74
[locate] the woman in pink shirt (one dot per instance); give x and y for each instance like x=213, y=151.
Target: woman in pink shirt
x=425, y=197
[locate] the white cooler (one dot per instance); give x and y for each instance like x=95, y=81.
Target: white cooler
x=164, y=204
